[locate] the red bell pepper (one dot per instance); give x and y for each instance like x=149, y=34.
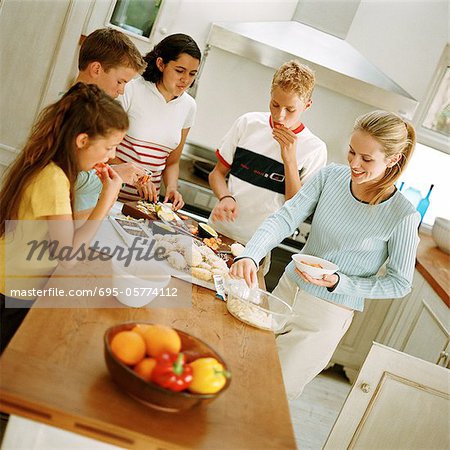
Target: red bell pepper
x=171, y=372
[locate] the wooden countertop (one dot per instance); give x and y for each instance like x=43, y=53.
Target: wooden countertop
x=53, y=371
x=434, y=265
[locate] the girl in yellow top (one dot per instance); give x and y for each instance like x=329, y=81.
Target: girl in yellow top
x=74, y=134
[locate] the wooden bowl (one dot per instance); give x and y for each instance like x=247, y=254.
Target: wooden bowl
x=150, y=393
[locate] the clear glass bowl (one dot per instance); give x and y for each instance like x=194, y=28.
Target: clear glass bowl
x=257, y=307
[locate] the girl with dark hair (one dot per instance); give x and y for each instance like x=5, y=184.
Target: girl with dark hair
x=161, y=114
x=76, y=133
x=361, y=222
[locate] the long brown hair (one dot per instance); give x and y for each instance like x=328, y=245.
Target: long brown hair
x=397, y=137
x=83, y=109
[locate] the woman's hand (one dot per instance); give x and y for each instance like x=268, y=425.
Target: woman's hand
x=327, y=281
x=174, y=197
x=288, y=143
x=245, y=268
x=225, y=211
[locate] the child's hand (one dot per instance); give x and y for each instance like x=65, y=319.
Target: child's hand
x=174, y=197
x=130, y=172
x=111, y=181
x=146, y=189
x=288, y=142
x=225, y=211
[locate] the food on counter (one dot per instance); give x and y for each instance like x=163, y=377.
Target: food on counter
x=248, y=313
x=187, y=254
x=319, y=266
x=128, y=347
x=162, y=228
x=169, y=359
x=213, y=243
x=146, y=207
x=202, y=274
x=145, y=368
x=192, y=228
x=237, y=249
x=172, y=372
x=159, y=339
x=208, y=376
x=165, y=213
x=205, y=231
x=177, y=261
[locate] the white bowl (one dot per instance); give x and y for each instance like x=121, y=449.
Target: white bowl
x=303, y=263
x=441, y=233
x=257, y=307
x=138, y=283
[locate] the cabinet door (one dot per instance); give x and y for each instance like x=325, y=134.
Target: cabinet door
x=397, y=401
x=429, y=334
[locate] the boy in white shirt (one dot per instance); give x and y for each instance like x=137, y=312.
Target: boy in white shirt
x=108, y=59
x=268, y=156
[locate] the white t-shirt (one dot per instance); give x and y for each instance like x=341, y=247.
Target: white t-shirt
x=155, y=128
x=256, y=177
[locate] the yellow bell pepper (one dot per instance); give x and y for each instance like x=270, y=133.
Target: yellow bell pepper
x=208, y=376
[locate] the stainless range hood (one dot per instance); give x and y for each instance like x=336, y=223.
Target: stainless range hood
x=338, y=65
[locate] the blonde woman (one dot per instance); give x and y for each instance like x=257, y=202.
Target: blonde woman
x=361, y=221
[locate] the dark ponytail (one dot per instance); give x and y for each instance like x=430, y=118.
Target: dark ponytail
x=169, y=49
x=83, y=109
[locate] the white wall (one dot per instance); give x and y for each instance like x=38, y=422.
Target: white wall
x=403, y=38
x=231, y=85
x=194, y=17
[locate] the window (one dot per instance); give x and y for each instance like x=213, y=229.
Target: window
x=136, y=16
x=438, y=115
x=433, y=123
x=430, y=163
x=429, y=166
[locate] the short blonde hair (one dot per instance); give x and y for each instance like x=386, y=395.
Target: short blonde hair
x=295, y=77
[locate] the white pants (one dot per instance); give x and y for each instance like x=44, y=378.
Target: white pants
x=308, y=342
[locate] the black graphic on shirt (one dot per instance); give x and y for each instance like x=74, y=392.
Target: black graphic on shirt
x=259, y=170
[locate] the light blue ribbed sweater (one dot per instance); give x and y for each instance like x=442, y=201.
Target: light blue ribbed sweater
x=356, y=236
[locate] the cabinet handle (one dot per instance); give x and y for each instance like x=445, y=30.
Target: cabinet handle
x=442, y=355
x=365, y=387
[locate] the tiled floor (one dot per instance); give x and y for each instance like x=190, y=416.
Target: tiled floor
x=315, y=412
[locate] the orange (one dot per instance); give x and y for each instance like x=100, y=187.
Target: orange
x=128, y=347
x=141, y=328
x=159, y=339
x=145, y=368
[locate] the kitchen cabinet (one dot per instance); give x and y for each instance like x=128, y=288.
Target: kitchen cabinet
x=371, y=418
x=356, y=343
x=422, y=326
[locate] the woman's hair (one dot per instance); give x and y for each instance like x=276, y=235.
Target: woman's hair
x=111, y=49
x=169, y=49
x=397, y=137
x=295, y=77
x=83, y=109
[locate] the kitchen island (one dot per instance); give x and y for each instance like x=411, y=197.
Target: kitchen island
x=54, y=372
